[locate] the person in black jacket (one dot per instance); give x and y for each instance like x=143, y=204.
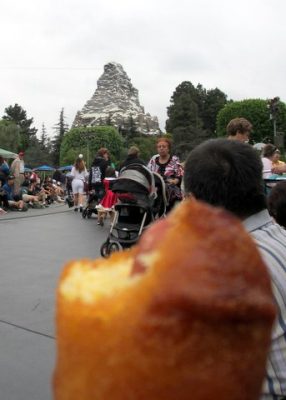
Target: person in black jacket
x=97, y=173
x=132, y=158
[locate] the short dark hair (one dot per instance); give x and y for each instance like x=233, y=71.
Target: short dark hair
x=276, y=203
x=268, y=150
x=241, y=125
x=226, y=173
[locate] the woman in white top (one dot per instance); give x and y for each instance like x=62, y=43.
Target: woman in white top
x=79, y=173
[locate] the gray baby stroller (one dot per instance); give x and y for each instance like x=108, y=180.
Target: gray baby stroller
x=68, y=191
x=92, y=202
x=141, y=200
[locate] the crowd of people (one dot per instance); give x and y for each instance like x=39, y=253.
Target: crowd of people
x=21, y=190
x=226, y=173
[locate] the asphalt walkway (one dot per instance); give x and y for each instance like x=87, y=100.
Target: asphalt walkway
x=34, y=247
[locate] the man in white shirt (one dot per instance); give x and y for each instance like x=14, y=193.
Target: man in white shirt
x=17, y=169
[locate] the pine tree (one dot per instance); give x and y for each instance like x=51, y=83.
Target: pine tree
x=18, y=115
x=60, y=128
x=183, y=110
x=192, y=114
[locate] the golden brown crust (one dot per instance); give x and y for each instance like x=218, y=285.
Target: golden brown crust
x=194, y=324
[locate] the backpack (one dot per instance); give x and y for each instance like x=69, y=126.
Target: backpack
x=95, y=175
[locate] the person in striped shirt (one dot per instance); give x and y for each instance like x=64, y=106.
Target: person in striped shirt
x=228, y=174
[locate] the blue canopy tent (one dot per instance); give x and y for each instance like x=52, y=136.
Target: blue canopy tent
x=66, y=168
x=44, y=169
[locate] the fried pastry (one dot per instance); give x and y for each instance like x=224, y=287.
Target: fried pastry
x=185, y=314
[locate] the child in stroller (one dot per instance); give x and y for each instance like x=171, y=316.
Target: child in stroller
x=101, y=205
x=106, y=205
x=141, y=199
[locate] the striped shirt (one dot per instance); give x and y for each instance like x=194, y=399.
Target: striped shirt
x=271, y=241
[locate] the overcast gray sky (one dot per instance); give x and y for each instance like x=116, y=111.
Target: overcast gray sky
x=53, y=51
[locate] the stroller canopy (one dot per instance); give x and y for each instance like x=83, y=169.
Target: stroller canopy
x=135, y=178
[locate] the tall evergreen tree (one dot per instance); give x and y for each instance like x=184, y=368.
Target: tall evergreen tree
x=45, y=141
x=212, y=102
x=192, y=114
x=18, y=115
x=183, y=110
x=60, y=128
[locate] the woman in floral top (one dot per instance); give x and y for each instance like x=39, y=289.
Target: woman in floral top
x=169, y=168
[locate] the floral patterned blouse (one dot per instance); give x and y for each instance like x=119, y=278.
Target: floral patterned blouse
x=170, y=169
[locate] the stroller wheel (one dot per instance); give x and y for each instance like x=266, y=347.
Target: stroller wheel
x=104, y=249
x=84, y=213
x=113, y=247
x=89, y=214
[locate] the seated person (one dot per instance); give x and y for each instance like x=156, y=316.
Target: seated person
x=35, y=177
x=30, y=199
x=49, y=190
x=268, y=156
x=15, y=201
x=26, y=181
x=36, y=189
x=276, y=162
x=59, y=191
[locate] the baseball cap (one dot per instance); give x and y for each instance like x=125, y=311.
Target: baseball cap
x=11, y=177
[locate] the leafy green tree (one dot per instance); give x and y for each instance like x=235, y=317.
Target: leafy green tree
x=88, y=141
x=257, y=112
x=60, y=128
x=128, y=129
x=18, y=115
x=186, y=138
x=9, y=135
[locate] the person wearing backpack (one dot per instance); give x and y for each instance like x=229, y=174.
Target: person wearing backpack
x=97, y=173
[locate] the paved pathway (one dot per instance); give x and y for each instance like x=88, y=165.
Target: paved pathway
x=34, y=246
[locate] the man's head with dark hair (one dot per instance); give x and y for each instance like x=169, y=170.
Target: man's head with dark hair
x=239, y=129
x=228, y=174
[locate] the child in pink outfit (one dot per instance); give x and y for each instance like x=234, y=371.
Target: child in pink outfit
x=106, y=206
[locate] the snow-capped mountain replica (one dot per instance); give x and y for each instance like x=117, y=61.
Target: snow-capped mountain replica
x=116, y=102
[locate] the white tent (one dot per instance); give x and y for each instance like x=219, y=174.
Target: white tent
x=7, y=154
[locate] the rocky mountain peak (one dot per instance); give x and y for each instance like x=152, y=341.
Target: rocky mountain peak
x=116, y=102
